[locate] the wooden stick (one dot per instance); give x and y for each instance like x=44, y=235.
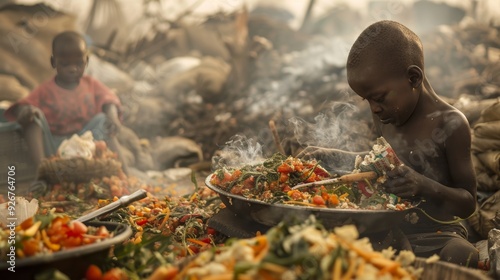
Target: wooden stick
x=348, y=178
x=276, y=137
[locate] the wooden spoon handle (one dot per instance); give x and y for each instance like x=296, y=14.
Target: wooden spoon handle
x=355, y=177
x=348, y=178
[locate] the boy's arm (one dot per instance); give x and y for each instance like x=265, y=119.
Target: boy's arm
x=459, y=198
x=111, y=112
x=26, y=113
x=461, y=170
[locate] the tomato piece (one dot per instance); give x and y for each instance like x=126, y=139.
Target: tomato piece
x=325, y=195
x=31, y=247
x=141, y=222
x=227, y=178
x=26, y=224
x=236, y=190
x=285, y=168
x=72, y=241
x=283, y=177
x=249, y=183
x=311, y=178
x=114, y=274
x=93, y=273
x=194, y=249
x=298, y=166
x=78, y=227
x=236, y=174
x=318, y=200
x=364, y=189
x=320, y=171
x=295, y=194
x=211, y=231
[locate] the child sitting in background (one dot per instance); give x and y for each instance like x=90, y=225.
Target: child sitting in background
x=67, y=104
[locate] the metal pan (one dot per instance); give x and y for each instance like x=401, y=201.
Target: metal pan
x=367, y=221
x=72, y=262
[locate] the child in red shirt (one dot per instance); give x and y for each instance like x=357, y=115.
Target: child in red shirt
x=67, y=104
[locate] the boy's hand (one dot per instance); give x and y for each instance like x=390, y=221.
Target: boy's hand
x=404, y=182
x=27, y=114
x=112, y=126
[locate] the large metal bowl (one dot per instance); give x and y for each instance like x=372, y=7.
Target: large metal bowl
x=72, y=262
x=367, y=221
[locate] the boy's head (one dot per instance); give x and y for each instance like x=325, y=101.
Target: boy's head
x=69, y=57
x=385, y=66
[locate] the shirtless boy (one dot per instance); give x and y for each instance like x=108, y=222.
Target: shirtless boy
x=386, y=68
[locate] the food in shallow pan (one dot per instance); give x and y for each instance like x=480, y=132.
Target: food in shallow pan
x=272, y=180
x=45, y=234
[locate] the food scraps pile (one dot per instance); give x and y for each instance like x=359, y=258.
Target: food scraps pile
x=169, y=231
x=272, y=182
x=302, y=251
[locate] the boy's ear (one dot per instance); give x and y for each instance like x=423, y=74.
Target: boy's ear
x=415, y=76
x=52, y=61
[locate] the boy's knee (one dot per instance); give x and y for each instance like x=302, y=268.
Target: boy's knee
x=461, y=252
x=97, y=125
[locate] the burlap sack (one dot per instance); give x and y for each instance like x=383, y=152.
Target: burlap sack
x=491, y=113
x=78, y=170
x=486, y=180
x=208, y=79
x=11, y=89
x=483, y=219
x=491, y=160
x=480, y=145
x=488, y=130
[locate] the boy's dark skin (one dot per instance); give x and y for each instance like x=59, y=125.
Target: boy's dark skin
x=431, y=137
x=69, y=59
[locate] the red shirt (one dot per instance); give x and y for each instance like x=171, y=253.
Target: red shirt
x=67, y=111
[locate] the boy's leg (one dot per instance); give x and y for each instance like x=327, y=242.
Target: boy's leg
x=461, y=252
x=39, y=140
x=97, y=126
x=33, y=135
x=41, y=143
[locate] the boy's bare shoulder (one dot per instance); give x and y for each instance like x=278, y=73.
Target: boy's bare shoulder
x=454, y=123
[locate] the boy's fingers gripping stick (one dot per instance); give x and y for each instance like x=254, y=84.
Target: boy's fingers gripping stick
x=380, y=159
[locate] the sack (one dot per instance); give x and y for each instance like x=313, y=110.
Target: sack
x=480, y=145
x=489, y=130
x=491, y=160
x=487, y=215
x=491, y=113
